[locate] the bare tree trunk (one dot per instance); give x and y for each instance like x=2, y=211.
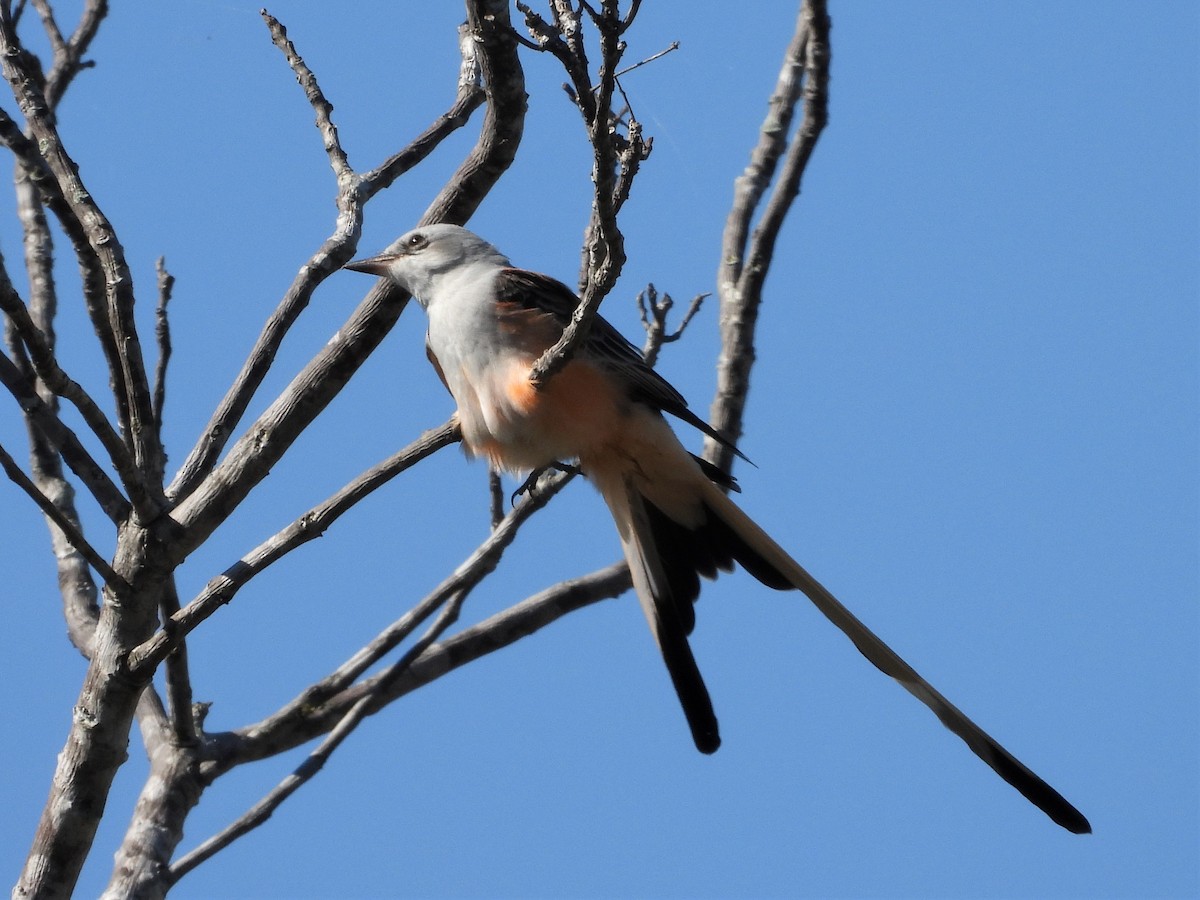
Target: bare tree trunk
x=171, y=791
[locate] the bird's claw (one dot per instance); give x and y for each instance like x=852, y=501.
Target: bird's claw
x=529, y=485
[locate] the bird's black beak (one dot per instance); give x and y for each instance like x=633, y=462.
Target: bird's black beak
x=373, y=265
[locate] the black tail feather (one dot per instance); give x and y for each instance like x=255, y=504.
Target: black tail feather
x=689, y=686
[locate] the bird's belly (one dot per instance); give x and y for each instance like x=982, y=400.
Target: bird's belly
x=518, y=427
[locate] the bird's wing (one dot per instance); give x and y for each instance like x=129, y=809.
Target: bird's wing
x=605, y=344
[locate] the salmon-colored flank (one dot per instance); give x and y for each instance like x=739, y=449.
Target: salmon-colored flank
x=578, y=412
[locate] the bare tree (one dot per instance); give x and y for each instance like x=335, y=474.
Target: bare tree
x=123, y=611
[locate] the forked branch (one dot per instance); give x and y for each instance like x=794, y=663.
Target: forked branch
x=745, y=259
x=616, y=156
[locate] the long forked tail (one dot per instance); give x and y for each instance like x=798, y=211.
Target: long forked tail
x=760, y=555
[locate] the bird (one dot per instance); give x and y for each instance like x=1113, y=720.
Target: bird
x=489, y=321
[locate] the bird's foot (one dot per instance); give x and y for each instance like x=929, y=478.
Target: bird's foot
x=529, y=485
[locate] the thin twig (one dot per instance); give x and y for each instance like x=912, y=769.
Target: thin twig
x=470, y=97
x=316, y=98
x=162, y=335
x=631, y=15
x=674, y=45
x=653, y=313
x=750, y=186
x=787, y=186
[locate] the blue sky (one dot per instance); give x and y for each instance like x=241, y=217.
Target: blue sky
x=974, y=418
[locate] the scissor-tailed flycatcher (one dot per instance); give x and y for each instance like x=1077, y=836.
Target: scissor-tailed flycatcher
x=488, y=323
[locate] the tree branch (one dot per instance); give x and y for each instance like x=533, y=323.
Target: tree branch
x=495, y=497
x=615, y=159
x=36, y=185
x=63, y=523
x=64, y=440
x=68, y=54
x=353, y=192
x=739, y=284
x=263, y=810
x=787, y=188
x=179, y=679
x=171, y=790
x=471, y=96
x=47, y=369
x=491, y=33
x=492, y=634
x=449, y=595
x=311, y=525
x=129, y=371
x=75, y=582
x=316, y=98
x=274, y=733
x=268, y=438
x=162, y=336
x=654, y=312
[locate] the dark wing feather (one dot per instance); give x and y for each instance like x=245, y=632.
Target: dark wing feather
x=605, y=344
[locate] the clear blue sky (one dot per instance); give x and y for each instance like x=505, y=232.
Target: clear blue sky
x=974, y=418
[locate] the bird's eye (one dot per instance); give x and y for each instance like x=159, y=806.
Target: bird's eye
x=416, y=242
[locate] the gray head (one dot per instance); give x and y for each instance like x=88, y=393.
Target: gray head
x=422, y=258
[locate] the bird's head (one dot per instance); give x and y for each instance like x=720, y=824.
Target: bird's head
x=420, y=259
